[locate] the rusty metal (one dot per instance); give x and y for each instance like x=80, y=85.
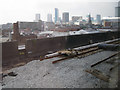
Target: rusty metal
x=105, y=59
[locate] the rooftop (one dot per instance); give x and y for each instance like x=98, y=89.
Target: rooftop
x=69, y=73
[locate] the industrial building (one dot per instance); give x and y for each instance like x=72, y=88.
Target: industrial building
x=32, y=25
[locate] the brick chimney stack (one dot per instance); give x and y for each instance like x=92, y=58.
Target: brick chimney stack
x=16, y=34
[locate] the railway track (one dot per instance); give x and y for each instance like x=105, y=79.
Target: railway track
x=79, y=53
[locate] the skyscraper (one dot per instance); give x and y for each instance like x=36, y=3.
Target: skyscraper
x=89, y=19
x=37, y=17
x=117, y=10
x=56, y=15
x=98, y=19
x=49, y=18
x=65, y=17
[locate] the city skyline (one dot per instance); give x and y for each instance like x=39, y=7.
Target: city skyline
x=20, y=11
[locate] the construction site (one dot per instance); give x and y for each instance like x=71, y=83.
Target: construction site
x=74, y=61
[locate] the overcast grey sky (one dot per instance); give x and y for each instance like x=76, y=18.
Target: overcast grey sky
x=25, y=10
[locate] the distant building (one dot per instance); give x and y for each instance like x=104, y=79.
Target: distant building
x=49, y=26
x=75, y=18
x=49, y=18
x=80, y=22
x=56, y=15
x=89, y=23
x=21, y=38
x=60, y=20
x=117, y=10
x=111, y=22
x=98, y=19
x=32, y=25
x=89, y=19
x=37, y=17
x=0, y=27
x=92, y=19
x=65, y=17
x=6, y=26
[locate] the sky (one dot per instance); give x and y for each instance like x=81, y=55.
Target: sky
x=25, y=10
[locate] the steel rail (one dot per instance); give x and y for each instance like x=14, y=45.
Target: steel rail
x=105, y=59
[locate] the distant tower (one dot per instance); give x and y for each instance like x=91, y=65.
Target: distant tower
x=56, y=15
x=65, y=17
x=98, y=19
x=49, y=18
x=37, y=17
x=89, y=19
x=117, y=10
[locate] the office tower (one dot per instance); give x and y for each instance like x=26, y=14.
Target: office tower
x=65, y=17
x=117, y=11
x=98, y=19
x=56, y=15
x=89, y=19
x=49, y=18
x=37, y=17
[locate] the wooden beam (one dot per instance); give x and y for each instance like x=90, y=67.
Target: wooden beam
x=98, y=74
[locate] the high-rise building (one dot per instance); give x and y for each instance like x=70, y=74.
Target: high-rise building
x=56, y=15
x=37, y=17
x=117, y=11
x=65, y=17
x=98, y=19
x=49, y=18
x=89, y=19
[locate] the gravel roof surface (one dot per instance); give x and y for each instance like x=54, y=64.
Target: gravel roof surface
x=65, y=74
